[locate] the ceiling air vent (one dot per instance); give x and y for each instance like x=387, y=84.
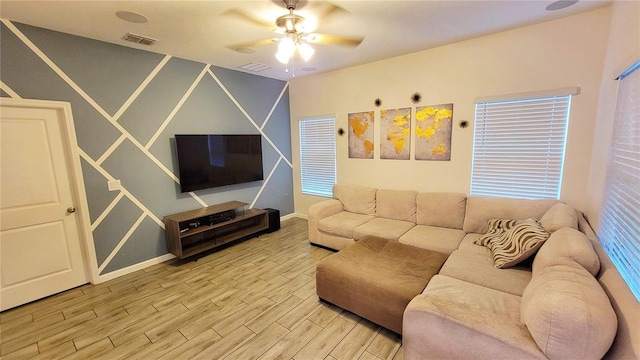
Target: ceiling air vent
x=255, y=67
x=144, y=40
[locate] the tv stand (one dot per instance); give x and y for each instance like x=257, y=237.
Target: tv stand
x=192, y=232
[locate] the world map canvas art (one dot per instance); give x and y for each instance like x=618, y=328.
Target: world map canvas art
x=361, y=135
x=395, y=134
x=433, y=132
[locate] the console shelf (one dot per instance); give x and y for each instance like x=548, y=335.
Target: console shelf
x=192, y=232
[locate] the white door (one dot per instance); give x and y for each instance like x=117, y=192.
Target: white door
x=40, y=236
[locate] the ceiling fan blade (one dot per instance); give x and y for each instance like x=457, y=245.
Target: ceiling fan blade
x=251, y=44
x=334, y=40
x=243, y=16
x=331, y=12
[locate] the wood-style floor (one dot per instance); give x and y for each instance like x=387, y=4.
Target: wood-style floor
x=252, y=300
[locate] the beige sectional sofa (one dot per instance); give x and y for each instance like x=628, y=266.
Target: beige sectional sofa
x=566, y=302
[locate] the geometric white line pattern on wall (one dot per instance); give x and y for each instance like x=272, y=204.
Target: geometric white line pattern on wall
x=224, y=88
x=9, y=91
x=123, y=190
x=273, y=108
x=111, y=149
x=266, y=181
x=98, y=163
x=260, y=129
x=54, y=67
x=93, y=103
x=107, y=210
x=124, y=239
x=176, y=109
x=140, y=88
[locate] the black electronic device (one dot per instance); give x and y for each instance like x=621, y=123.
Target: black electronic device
x=221, y=217
x=207, y=161
x=274, y=220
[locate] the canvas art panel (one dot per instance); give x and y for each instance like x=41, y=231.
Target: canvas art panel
x=361, y=140
x=395, y=134
x=433, y=132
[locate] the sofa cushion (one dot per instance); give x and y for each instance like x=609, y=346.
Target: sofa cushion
x=519, y=240
x=356, y=199
x=477, y=296
x=343, y=223
x=558, y=216
x=478, y=268
x=568, y=313
x=437, y=328
x=396, y=204
x=441, y=209
x=468, y=244
x=441, y=239
x=383, y=228
x=480, y=210
x=567, y=243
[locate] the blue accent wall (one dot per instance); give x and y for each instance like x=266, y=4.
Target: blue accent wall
x=128, y=135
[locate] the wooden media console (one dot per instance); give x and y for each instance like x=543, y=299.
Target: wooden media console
x=192, y=232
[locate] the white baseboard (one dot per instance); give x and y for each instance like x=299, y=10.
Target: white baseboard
x=133, y=268
x=288, y=216
x=294, y=215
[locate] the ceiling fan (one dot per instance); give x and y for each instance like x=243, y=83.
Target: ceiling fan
x=297, y=32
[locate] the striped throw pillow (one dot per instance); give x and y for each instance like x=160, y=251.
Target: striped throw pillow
x=497, y=230
x=517, y=243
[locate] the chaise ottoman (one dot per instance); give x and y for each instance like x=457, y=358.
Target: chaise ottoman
x=376, y=278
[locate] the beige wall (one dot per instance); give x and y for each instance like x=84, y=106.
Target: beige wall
x=623, y=49
x=556, y=54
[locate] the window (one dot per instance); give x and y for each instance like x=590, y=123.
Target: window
x=318, y=156
x=519, y=144
x=619, y=229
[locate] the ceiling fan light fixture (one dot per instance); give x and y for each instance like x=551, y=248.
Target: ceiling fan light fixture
x=286, y=48
x=306, y=51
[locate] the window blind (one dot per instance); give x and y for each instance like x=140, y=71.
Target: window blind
x=519, y=146
x=619, y=229
x=318, y=156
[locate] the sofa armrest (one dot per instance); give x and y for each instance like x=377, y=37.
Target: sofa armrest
x=319, y=211
x=436, y=328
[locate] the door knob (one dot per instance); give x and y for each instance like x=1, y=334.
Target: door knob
x=71, y=209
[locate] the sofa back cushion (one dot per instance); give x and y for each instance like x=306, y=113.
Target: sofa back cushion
x=558, y=216
x=356, y=199
x=441, y=209
x=396, y=204
x=570, y=244
x=480, y=210
x=568, y=313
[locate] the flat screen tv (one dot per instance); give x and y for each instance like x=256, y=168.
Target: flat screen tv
x=207, y=161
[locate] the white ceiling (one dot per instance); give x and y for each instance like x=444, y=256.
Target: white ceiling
x=205, y=31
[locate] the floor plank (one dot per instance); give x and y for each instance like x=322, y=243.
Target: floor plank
x=356, y=342
x=321, y=345
x=260, y=343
